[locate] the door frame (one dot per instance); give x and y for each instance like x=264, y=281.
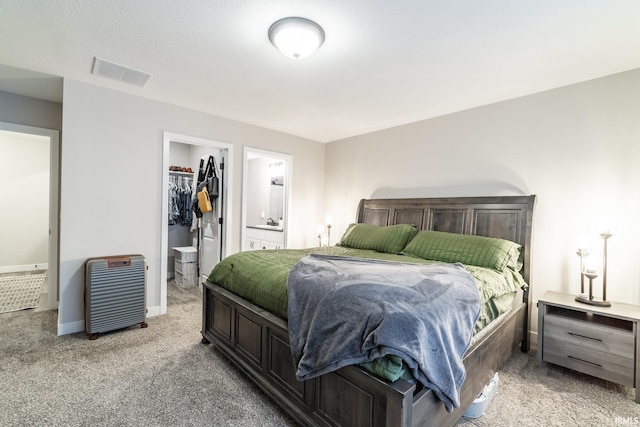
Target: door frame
x=54, y=204
x=167, y=138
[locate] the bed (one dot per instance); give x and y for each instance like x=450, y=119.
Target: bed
x=257, y=341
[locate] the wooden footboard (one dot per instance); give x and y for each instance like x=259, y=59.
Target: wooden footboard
x=257, y=342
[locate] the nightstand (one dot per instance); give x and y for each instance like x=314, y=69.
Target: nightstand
x=603, y=342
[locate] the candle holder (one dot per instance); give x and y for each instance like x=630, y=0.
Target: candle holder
x=582, y=253
x=588, y=270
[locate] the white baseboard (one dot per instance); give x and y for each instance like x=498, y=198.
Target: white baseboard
x=533, y=340
x=70, y=328
x=153, y=311
x=26, y=267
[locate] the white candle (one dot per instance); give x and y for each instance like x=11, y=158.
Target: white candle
x=590, y=265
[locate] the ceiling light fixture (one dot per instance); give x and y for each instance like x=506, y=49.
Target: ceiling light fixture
x=296, y=37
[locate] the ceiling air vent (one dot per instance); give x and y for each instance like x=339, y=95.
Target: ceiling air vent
x=115, y=71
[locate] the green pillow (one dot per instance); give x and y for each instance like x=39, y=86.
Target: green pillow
x=389, y=239
x=472, y=250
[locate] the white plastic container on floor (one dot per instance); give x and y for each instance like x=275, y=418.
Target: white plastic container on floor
x=186, y=280
x=480, y=404
x=186, y=254
x=186, y=266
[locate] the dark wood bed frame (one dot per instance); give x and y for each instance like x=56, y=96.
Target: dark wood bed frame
x=256, y=341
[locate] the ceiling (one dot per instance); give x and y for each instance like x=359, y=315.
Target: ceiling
x=384, y=62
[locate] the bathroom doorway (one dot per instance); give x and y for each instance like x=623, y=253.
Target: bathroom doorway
x=266, y=178
x=31, y=220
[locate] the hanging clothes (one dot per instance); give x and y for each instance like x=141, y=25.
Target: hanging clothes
x=180, y=196
x=185, y=195
x=173, y=203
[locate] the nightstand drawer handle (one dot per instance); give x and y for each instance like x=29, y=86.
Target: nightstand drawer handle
x=585, y=361
x=584, y=336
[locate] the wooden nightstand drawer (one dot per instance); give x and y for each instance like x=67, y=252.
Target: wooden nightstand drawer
x=597, y=363
x=569, y=331
x=600, y=341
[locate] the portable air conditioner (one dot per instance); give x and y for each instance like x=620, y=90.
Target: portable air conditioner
x=115, y=293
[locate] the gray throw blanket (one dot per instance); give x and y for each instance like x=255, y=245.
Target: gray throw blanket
x=345, y=311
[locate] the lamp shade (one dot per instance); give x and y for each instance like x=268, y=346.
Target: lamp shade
x=296, y=37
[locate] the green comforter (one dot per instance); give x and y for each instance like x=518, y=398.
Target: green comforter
x=261, y=278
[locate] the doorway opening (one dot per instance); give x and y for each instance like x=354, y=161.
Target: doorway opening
x=192, y=245
x=31, y=219
x=266, y=187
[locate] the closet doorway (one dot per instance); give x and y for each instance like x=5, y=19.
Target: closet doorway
x=192, y=245
x=30, y=171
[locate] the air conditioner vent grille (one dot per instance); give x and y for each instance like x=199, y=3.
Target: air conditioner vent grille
x=111, y=70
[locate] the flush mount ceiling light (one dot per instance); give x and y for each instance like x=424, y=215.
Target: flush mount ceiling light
x=296, y=37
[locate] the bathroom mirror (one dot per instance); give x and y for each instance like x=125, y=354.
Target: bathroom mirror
x=265, y=190
x=276, y=194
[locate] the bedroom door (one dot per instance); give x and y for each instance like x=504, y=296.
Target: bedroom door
x=211, y=231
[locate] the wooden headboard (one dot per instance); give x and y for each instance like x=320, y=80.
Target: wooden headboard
x=504, y=217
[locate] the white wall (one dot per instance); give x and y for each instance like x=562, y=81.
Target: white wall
x=27, y=111
x=180, y=155
x=111, y=182
x=576, y=148
x=24, y=191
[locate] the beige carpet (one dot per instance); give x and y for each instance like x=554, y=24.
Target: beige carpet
x=163, y=376
x=530, y=394
x=20, y=291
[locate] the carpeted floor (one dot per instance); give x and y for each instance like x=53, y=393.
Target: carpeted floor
x=20, y=291
x=163, y=376
x=547, y=395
